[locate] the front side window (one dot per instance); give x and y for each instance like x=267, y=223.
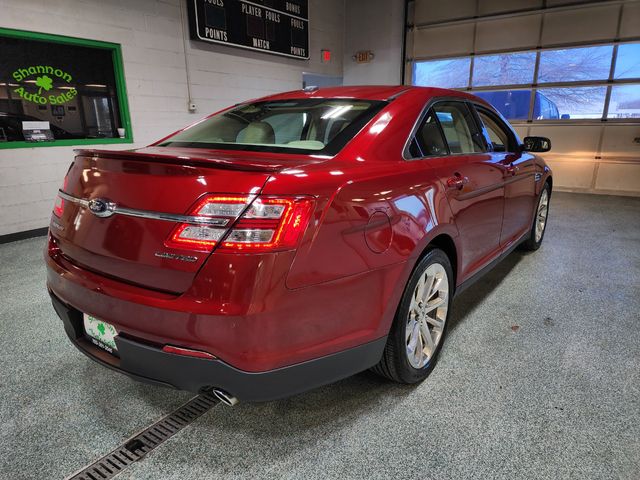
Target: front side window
x=320, y=126
x=459, y=127
x=498, y=135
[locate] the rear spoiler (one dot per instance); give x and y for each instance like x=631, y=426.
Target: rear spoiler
x=216, y=159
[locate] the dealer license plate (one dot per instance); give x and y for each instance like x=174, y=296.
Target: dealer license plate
x=100, y=333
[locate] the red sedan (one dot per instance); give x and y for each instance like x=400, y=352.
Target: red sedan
x=290, y=241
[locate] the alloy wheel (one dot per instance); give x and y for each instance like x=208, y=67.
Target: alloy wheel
x=427, y=315
x=541, y=217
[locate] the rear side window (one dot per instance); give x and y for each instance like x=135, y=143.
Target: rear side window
x=459, y=127
x=428, y=140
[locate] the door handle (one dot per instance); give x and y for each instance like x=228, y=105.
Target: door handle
x=511, y=169
x=457, y=181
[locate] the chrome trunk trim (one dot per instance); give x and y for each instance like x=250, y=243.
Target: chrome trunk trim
x=114, y=209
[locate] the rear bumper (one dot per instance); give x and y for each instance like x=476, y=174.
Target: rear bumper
x=152, y=365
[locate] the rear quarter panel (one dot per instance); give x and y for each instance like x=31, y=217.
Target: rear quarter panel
x=374, y=209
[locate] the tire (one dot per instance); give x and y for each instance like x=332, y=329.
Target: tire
x=397, y=363
x=534, y=240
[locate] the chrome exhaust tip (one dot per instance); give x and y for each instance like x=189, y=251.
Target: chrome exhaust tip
x=224, y=397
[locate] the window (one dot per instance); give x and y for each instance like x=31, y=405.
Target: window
x=452, y=73
x=569, y=102
x=628, y=61
x=428, y=140
x=60, y=91
x=459, y=127
x=512, y=104
x=500, y=139
x=569, y=83
x=320, y=125
x=575, y=64
x=625, y=102
x=504, y=69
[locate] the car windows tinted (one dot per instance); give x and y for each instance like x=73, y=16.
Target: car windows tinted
x=459, y=127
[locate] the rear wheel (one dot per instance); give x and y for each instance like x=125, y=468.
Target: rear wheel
x=539, y=226
x=418, y=329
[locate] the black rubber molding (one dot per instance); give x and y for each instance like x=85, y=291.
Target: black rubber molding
x=14, y=237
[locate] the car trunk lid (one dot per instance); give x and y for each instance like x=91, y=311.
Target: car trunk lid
x=148, y=188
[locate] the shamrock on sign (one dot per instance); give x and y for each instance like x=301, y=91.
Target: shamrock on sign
x=44, y=82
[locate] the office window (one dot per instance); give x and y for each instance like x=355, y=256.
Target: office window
x=451, y=73
x=60, y=91
x=504, y=69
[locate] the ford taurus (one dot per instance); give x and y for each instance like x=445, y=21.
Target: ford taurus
x=291, y=241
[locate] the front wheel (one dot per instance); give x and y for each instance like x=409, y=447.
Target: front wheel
x=539, y=226
x=418, y=329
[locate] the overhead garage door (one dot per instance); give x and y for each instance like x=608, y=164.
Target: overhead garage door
x=553, y=68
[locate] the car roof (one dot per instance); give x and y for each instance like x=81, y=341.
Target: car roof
x=368, y=92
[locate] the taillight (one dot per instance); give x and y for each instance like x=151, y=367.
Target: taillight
x=267, y=224
x=270, y=223
x=58, y=205
x=205, y=237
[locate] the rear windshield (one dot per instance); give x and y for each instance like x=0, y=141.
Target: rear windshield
x=320, y=126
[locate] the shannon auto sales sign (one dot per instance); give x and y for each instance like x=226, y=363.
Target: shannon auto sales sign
x=36, y=85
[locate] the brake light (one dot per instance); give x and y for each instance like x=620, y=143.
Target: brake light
x=265, y=224
x=205, y=237
x=58, y=205
x=269, y=224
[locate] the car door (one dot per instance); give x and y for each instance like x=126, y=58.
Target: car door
x=450, y=133
x=519, y=172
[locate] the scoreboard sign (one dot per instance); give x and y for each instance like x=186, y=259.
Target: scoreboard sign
x=280, y=27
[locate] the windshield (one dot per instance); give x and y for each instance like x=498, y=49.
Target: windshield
x=320, y=126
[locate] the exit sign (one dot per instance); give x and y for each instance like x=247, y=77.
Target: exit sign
x=363, y=56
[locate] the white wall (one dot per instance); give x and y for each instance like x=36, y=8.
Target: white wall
x=375, y=25
x=598, y=157
x=150, y=32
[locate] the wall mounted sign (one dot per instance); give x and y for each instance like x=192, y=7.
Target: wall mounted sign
x=36, y=80
x=75, y=87
x=280, y=27
x=363, y=56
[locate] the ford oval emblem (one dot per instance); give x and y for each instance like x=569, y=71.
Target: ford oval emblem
x=101, y=208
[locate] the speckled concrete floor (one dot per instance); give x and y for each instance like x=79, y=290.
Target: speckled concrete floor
x=540, y=378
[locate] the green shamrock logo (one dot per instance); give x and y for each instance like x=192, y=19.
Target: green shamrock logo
x=101, y=328
x=44, y=82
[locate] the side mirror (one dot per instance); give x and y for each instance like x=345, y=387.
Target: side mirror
x=536, y=144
